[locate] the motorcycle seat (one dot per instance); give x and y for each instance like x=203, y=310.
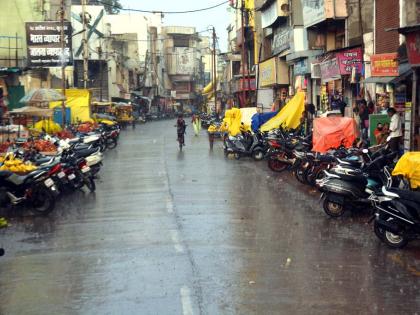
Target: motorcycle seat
x=86, y=152
x=326, y=158
x=19, y=180
x=5, y=174
x=407, y=194
x=43, y=160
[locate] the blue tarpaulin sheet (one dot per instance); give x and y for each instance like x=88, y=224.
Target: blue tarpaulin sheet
x=260, y=119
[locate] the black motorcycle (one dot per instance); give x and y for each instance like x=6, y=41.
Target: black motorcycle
x=36, y=190
x=397, y=216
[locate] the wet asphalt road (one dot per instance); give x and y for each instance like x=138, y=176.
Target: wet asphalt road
x=191, y=232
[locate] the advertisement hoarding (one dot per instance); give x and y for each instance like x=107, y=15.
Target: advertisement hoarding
x=313, y=12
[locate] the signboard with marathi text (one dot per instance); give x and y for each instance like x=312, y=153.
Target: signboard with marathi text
x=267, y=72
x=349, y=59
x=44, y=44
x=384, y=65
x=413, y=48
x=281, y=41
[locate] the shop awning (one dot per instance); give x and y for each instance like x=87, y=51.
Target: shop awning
x=382, y=80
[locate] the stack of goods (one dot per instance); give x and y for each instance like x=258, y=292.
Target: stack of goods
x=10, y=163
x=41, y=146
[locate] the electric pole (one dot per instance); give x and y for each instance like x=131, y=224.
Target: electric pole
x=63, y=64
x=214, y=70
x=85, y=46
x=100, y=72
x=242, y=85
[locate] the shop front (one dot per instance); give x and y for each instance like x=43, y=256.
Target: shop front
x=273, y=81
x=412, y=133
x=339, y=75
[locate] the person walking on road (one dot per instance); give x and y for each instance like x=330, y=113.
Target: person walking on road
x=180, y=129
x=395, y=129
x=196, y=121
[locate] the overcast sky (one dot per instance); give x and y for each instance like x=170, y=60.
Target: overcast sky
x=219, y=17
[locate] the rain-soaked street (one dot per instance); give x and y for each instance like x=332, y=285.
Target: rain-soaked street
x=191, y=232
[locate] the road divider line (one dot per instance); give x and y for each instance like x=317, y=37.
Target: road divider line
x=169, y=205
x=177, y=244
x=186, y=301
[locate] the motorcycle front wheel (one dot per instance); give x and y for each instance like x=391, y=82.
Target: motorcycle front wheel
x=42, y=201
x=258, y=155
x=276, y=165
x=111, y=143
x=90, y=183
x=333, y=209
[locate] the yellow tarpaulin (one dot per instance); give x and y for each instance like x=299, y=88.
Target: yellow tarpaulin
x=290, y=115
x=78, y=101
x=48, y=126
x=237, y=119
x=409, y=167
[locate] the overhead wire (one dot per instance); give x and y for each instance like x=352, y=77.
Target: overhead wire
x=118, y=7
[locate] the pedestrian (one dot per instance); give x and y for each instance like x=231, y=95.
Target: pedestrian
x=196, y=124
x=342, y=105
x=364, y=118
x=371, y=107
x=395, y=129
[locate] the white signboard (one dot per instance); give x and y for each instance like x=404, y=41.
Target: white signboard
x=313, y=12
x=184, y=60
x=270, y=15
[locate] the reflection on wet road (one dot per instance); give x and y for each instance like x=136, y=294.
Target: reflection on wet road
x=190, y=232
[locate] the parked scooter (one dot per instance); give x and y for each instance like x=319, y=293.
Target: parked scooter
x=246, y=144
x=349, y=185
x=397, y=216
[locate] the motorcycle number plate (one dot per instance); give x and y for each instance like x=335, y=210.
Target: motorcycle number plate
x=49, y=182
x=85, y=169
x=61, y=175
x=72, y=176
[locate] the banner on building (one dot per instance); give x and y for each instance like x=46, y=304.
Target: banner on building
x=184, y=60
x=43, y=40
x=330, y=70
x=413, y=48
x=313, y=12
x=267, y=72
x=349, y=59
x=384, y=65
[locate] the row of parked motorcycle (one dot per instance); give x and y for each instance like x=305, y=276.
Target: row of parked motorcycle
x=75, y=165
x=349, y=179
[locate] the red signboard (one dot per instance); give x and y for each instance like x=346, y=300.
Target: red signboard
x=349, y=59
x=413, y=48
x=384, y=65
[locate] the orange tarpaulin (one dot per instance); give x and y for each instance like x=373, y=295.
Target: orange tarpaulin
x=331, y=132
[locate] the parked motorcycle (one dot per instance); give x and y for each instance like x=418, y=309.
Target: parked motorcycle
x=36, y=190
